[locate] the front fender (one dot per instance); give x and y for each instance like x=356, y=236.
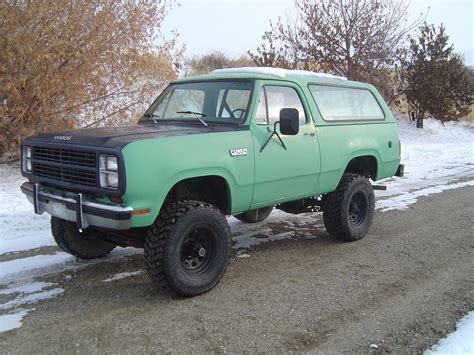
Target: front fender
x=240, y=196
x=154, y=166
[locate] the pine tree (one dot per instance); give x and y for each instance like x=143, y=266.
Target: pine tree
x=438, y=82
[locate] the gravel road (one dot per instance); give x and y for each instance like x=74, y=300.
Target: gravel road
x=401, y=288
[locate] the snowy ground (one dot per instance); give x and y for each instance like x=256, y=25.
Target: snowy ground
x=436, y=159
x=460, y=342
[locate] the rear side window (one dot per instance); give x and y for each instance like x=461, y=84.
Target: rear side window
x=346, y=104
x=273, y=99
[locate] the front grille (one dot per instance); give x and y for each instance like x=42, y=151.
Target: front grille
x=65, y=156
x=76, y=167
x=75, y=176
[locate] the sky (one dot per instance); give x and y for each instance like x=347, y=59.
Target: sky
x=236, y=26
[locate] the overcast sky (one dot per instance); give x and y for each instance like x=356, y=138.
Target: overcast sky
x=235, y=26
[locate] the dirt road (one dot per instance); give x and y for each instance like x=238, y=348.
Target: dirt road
x=402, y=288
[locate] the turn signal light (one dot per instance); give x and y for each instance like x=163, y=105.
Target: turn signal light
x=140, y=212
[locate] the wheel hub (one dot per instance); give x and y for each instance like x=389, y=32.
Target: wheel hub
x=197, y=249
x=358, y=209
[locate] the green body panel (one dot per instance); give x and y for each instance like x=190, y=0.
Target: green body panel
x=284, y=175
x=154, y=166
x=343, y=145
x=312, y=164
x=340, y=142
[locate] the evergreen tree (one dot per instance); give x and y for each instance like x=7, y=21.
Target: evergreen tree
x=438, y=82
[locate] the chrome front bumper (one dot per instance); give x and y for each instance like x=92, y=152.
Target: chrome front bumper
x=79, y=210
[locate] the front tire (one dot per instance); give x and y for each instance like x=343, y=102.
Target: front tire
x=254, y=216
x=188, y=247
x=349, y=210
x=88, y=244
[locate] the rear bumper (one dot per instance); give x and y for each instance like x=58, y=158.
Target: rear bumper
x=400, y=171
x=79, y=210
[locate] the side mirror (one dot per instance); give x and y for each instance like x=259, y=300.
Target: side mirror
x=289, y=121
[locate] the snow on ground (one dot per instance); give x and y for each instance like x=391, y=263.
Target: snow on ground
x=48, y=264
x=404, y=200
x=12, y=320
x=16, y=219
x=435, y=159
x=460, y=342
x=17, y=279
x=433, y=156
x=123, y=275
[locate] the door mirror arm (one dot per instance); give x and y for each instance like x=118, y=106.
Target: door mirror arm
x=289, y=126
x=274, y=132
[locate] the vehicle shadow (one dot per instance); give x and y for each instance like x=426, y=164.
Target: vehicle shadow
x=121, y=278
x=253, y=244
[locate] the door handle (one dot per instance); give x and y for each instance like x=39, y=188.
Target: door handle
x=309, y=134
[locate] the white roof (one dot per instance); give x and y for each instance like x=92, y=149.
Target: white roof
x=279, y=72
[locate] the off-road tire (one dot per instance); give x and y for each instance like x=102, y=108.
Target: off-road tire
x=88, y=244
x=349, y=210
x=173, y=247
x=254, y=216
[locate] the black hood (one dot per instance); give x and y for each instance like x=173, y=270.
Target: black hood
x=118, y=137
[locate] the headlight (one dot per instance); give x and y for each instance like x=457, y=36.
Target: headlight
x=108, y=171
x=26, y=159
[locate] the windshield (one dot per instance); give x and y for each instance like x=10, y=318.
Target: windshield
x=206, y=101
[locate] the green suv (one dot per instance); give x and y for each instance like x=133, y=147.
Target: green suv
x=235, y=142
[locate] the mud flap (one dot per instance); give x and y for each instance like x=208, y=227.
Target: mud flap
x=401, y=170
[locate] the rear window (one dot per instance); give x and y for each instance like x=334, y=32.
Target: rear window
x=346, y=104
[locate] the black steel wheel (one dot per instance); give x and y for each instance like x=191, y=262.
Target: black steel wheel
x=349, y=210
x=188, y=247
x=198, y=249
x=358, y=207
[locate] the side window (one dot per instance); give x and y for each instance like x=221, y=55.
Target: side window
x=344, y=104
x=273, y=99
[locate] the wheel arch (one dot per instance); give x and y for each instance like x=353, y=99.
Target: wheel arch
x=366, y=165
x=213, y=189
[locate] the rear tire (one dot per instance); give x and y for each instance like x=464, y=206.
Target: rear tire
x=188, y=247
x=254, y=216
x=88, y=244
x=349, y=210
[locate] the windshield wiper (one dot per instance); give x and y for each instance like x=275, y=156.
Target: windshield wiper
x=153, y=116
x=198, y=118
x=193, y=112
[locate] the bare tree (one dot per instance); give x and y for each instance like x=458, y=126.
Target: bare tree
x=206, y=63
x=79, y=63
x=359, y=39
x=277, y=50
